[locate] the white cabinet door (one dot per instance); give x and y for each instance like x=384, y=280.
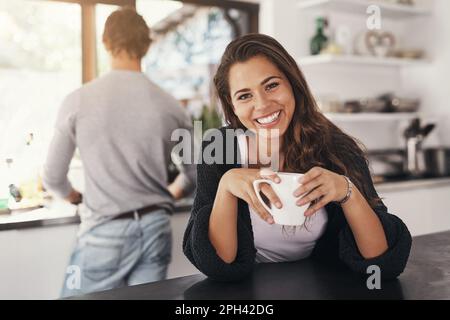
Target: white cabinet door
x=424, y=210
x=34, y=261
x=180, y=265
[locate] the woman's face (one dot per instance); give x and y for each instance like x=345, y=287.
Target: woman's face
x=262, y=96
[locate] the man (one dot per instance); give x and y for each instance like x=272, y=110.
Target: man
x=122, y=125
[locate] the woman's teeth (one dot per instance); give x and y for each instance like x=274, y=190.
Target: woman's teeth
x=269, y=119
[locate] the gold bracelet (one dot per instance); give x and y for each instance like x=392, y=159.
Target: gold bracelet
x=349, y=191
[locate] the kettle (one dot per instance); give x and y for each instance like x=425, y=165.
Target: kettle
x=414, y=134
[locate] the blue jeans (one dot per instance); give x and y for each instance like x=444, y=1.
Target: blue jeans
x=120, y=252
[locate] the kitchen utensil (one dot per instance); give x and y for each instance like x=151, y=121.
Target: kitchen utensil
x=415, y=163
x=427, y=129
x=413, y=129
x=372, y=105
x=404, y=105
x=437, y=162
x=387, y=164
x=397, y=104
x=352, y=106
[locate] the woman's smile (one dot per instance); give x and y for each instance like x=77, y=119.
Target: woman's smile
x=269, y=121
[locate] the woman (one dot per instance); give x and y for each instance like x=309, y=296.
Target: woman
x=262, y=89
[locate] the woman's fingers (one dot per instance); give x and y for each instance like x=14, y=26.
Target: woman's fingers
x=319, y=205
x=267, y=190
x=259, y=208
x=313, y=195
x=311, y=175
x=268, y=173
x=307, y=187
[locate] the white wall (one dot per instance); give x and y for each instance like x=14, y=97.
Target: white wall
x=279, y=19
x=432, y=83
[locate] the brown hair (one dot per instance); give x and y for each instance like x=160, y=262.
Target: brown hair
x=311, y=139
x=127, y=30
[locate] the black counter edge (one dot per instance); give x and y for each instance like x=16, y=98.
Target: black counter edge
x=52, y=222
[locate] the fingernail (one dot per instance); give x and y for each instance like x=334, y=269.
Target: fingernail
x=269, y=220
x=278, y=205
x=300, y=179
x=277, y=180
x=300, y=203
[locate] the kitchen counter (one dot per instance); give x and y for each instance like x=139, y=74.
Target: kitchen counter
x=59, y=213
x=63, y=213
x=427, y=276
x=409, y=184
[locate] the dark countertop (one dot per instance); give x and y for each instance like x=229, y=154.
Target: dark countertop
x=183, y=205
x=427, y=276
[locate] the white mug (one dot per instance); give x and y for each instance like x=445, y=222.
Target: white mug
x=289, y=214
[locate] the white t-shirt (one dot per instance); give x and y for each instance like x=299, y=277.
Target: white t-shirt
x=277, y=243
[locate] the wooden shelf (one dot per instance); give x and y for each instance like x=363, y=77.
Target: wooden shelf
x=388, y=10
x=360, y=60
x=367, y=116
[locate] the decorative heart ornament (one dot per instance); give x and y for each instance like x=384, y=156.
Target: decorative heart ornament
x=380, y=44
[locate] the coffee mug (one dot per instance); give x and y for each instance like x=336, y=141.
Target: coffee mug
x=289, y=214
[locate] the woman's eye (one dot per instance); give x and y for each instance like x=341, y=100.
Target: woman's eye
x=244, y=96
x=272, y=85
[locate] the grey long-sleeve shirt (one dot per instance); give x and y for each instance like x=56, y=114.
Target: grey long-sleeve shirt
x=122, y=124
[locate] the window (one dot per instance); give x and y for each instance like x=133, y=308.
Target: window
x=40, y=63
x=188, y=44
x=102, y=11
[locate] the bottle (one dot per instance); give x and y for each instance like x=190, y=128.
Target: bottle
x=320, y=40
x=29, y=184
x=5, y=182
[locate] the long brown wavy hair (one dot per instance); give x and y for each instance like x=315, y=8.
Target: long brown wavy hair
x=311, y=139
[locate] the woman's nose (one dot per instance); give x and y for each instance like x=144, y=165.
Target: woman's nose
x=262, y=102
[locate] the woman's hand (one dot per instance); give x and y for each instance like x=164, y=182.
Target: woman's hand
x=321, y=187
x=239, y=182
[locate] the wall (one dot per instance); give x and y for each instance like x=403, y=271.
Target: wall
x=432, y=83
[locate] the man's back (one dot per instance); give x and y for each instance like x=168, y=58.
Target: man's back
x=122, y=124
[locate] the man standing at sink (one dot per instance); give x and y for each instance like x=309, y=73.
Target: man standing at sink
x=122, y=125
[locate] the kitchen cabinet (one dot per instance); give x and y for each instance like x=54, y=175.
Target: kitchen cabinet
x=424, y=206
x=34, y=260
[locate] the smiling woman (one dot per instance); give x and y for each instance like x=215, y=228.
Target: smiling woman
x=262, y=89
